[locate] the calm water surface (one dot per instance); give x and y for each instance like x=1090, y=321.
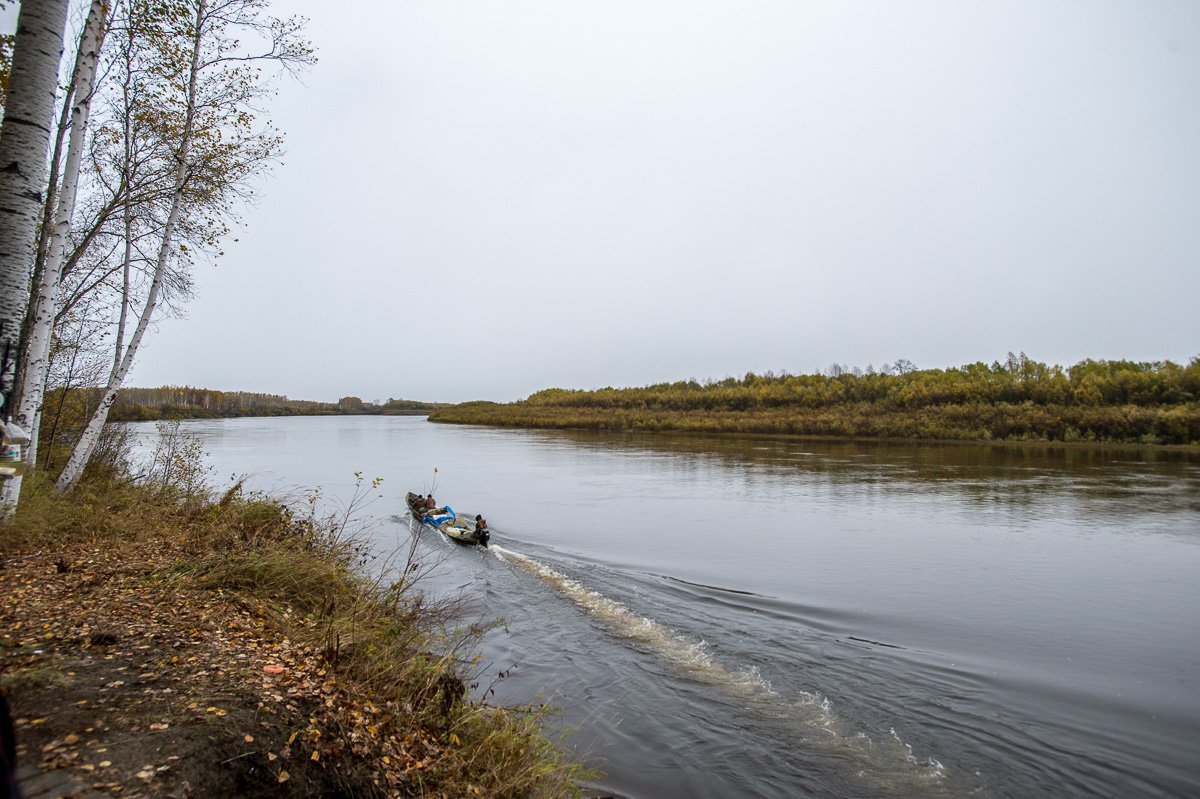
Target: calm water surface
x=761, y=617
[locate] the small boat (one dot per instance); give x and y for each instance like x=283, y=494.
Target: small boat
x=457, y=528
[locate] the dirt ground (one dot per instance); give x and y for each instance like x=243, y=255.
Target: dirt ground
x=124, y=682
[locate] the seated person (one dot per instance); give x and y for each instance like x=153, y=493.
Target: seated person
x=481, y=528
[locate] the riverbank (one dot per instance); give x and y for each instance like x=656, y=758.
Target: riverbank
x=156, y=643
x=1021, y=400
x=965, y=423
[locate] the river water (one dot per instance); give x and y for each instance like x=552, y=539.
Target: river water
x=769, y=617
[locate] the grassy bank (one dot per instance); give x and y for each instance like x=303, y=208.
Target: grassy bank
x=155, y=642
x=1020, y=400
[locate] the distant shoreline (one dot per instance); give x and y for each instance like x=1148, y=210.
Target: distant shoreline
x=175, y=402
x=154, y=415
x=1093, y=403
x=783, y=436
x=848, y=439
x=1020, y=400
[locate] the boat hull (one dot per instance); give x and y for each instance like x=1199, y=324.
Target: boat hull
x=457, y=528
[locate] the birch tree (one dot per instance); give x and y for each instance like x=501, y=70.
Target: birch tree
x=24, y=142
x=202, y=114
x=44, y=303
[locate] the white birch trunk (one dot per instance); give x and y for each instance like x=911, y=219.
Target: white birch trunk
x=43, y=241
x=45, y=298
x=126, y=263
x=91, y=434
x=24, y=143
x=127, y=214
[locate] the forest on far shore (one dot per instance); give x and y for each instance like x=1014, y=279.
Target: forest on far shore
x=178, y=402
x=1018, y=399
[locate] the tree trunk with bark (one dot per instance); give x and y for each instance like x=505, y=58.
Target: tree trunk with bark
x=24, y=143
x=44, y=307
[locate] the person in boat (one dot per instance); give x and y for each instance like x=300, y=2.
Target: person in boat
x=481, y=529
x=429, y=502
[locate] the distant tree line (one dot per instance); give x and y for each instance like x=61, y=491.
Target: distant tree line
x=181, y=402
x=184, y=402
x=69, y=409
x=1018, y=399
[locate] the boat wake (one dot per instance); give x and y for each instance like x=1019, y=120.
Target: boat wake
x=690, y=657
x=888, y=764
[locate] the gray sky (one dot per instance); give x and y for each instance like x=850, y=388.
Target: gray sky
x=482, y=199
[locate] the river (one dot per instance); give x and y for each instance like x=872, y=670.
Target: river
x=768, y=617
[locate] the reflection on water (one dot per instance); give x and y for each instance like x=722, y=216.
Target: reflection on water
x=1004, y=478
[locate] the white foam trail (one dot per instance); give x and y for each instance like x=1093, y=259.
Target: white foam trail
x=691, y=657
x=889, y=763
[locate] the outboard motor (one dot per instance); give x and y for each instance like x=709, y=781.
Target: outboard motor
x=481, y=536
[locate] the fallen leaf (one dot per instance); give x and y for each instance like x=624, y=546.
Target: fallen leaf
x=316, y=756
x=283, y=776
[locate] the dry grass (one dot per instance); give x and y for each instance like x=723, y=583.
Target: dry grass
x=383, y=642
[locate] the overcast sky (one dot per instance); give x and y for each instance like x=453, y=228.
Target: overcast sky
x=483, y=199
